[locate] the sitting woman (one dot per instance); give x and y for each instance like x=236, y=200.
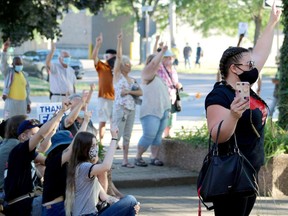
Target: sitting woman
x=83, y=188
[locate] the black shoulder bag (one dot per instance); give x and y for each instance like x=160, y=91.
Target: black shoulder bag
x=221, y=175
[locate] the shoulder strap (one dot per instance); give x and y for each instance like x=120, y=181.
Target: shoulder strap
x=169, y=76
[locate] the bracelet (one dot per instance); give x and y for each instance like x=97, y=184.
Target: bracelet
x=114, y=139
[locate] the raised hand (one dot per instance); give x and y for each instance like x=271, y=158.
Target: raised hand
x=165, y=48
x=87, y=115
x=99, y=39
x=66, y=104
x=92, y=86
x=6, y=45
x=53, y=47
x=275, y=13
x=120, y=36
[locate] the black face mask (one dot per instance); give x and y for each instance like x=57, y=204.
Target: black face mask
x=249, y=76
x=111, y=62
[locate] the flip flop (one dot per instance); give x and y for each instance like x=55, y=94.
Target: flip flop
x=140, y=162
x=128, y=165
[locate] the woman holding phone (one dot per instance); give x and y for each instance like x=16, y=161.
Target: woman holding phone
x=225, y=103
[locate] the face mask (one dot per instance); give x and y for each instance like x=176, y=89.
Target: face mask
x=249, y=76
x=111, y=62
x=93, y=152
x=18, y=68
x=66, y=60
x=81, y=114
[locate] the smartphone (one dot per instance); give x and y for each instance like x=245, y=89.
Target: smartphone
x=243, y=89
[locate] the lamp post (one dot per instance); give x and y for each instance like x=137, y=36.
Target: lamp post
x=146, y=9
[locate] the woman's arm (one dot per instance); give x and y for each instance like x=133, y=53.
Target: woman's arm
x=150, y=70
x=117, y=66
x=108, y=160
x=263, y=46
x=217, y=113
x=68, y=151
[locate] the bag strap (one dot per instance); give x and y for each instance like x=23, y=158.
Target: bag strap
x=170, y=77
x=215, y=146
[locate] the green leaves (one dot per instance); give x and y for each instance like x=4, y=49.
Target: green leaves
x=20, y=19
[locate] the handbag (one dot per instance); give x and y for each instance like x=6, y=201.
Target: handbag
x=229, y=174
x=102, y=205
x=177, y=104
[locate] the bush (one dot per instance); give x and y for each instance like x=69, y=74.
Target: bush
x=275, y=141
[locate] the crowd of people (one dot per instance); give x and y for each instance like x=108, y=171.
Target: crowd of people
x=61, y=156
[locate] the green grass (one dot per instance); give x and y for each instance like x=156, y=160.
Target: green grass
x=40, y=87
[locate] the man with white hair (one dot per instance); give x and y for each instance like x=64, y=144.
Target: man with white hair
x=62, y=77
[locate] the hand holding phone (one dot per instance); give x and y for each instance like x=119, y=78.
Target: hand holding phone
x=243, y=89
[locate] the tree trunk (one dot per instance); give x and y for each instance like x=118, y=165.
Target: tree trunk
x=283, y=84
x=258, y=23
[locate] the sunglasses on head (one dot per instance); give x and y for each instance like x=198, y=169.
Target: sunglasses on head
x=34, y=122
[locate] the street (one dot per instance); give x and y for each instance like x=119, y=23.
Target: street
x=193, y=85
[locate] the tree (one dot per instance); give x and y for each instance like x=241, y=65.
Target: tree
x=22, y=20
x=222, y=16
x=283, y=85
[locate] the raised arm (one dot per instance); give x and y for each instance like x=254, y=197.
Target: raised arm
x=68, y=151
x=48, y=126
x=70, y=119
x=92, y=88
x=263, y=46
x=99, y=41
x=4, y=64
x=50, y=55
x=117, y=66
x=156, y=44
x=108, y=160
x=150, y=70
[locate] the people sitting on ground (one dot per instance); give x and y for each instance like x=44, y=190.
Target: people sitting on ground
x=83, y=189
x=58, y=154
x=18, y=185
x=9, y=142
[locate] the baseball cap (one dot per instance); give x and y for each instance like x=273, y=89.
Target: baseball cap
x=62, y=137
x=111, y=51
x=28, y=124
x=168, y=53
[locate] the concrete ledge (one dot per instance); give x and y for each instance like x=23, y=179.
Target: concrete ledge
x=273, y=178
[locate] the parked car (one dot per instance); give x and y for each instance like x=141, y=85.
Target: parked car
x=34, y=63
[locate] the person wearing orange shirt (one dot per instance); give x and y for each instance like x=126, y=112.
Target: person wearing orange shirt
x=105, y=89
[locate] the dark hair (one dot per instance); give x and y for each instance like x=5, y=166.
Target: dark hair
x=80, y=153
x=232, y=55
x=111, y=51
x=12, y=125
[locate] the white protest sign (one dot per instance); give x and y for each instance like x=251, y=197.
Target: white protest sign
x=243, y=28
x=269, y=3
x=45, y=111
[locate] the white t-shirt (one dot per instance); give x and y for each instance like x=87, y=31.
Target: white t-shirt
x=61, y=79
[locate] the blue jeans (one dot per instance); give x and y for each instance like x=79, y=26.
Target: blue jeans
x=153, y=128
x=56, y=209
x=124, y=207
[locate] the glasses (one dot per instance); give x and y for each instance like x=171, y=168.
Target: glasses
x=250, y=64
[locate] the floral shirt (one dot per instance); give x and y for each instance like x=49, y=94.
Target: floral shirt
x=163, y=74
x=126, y=101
